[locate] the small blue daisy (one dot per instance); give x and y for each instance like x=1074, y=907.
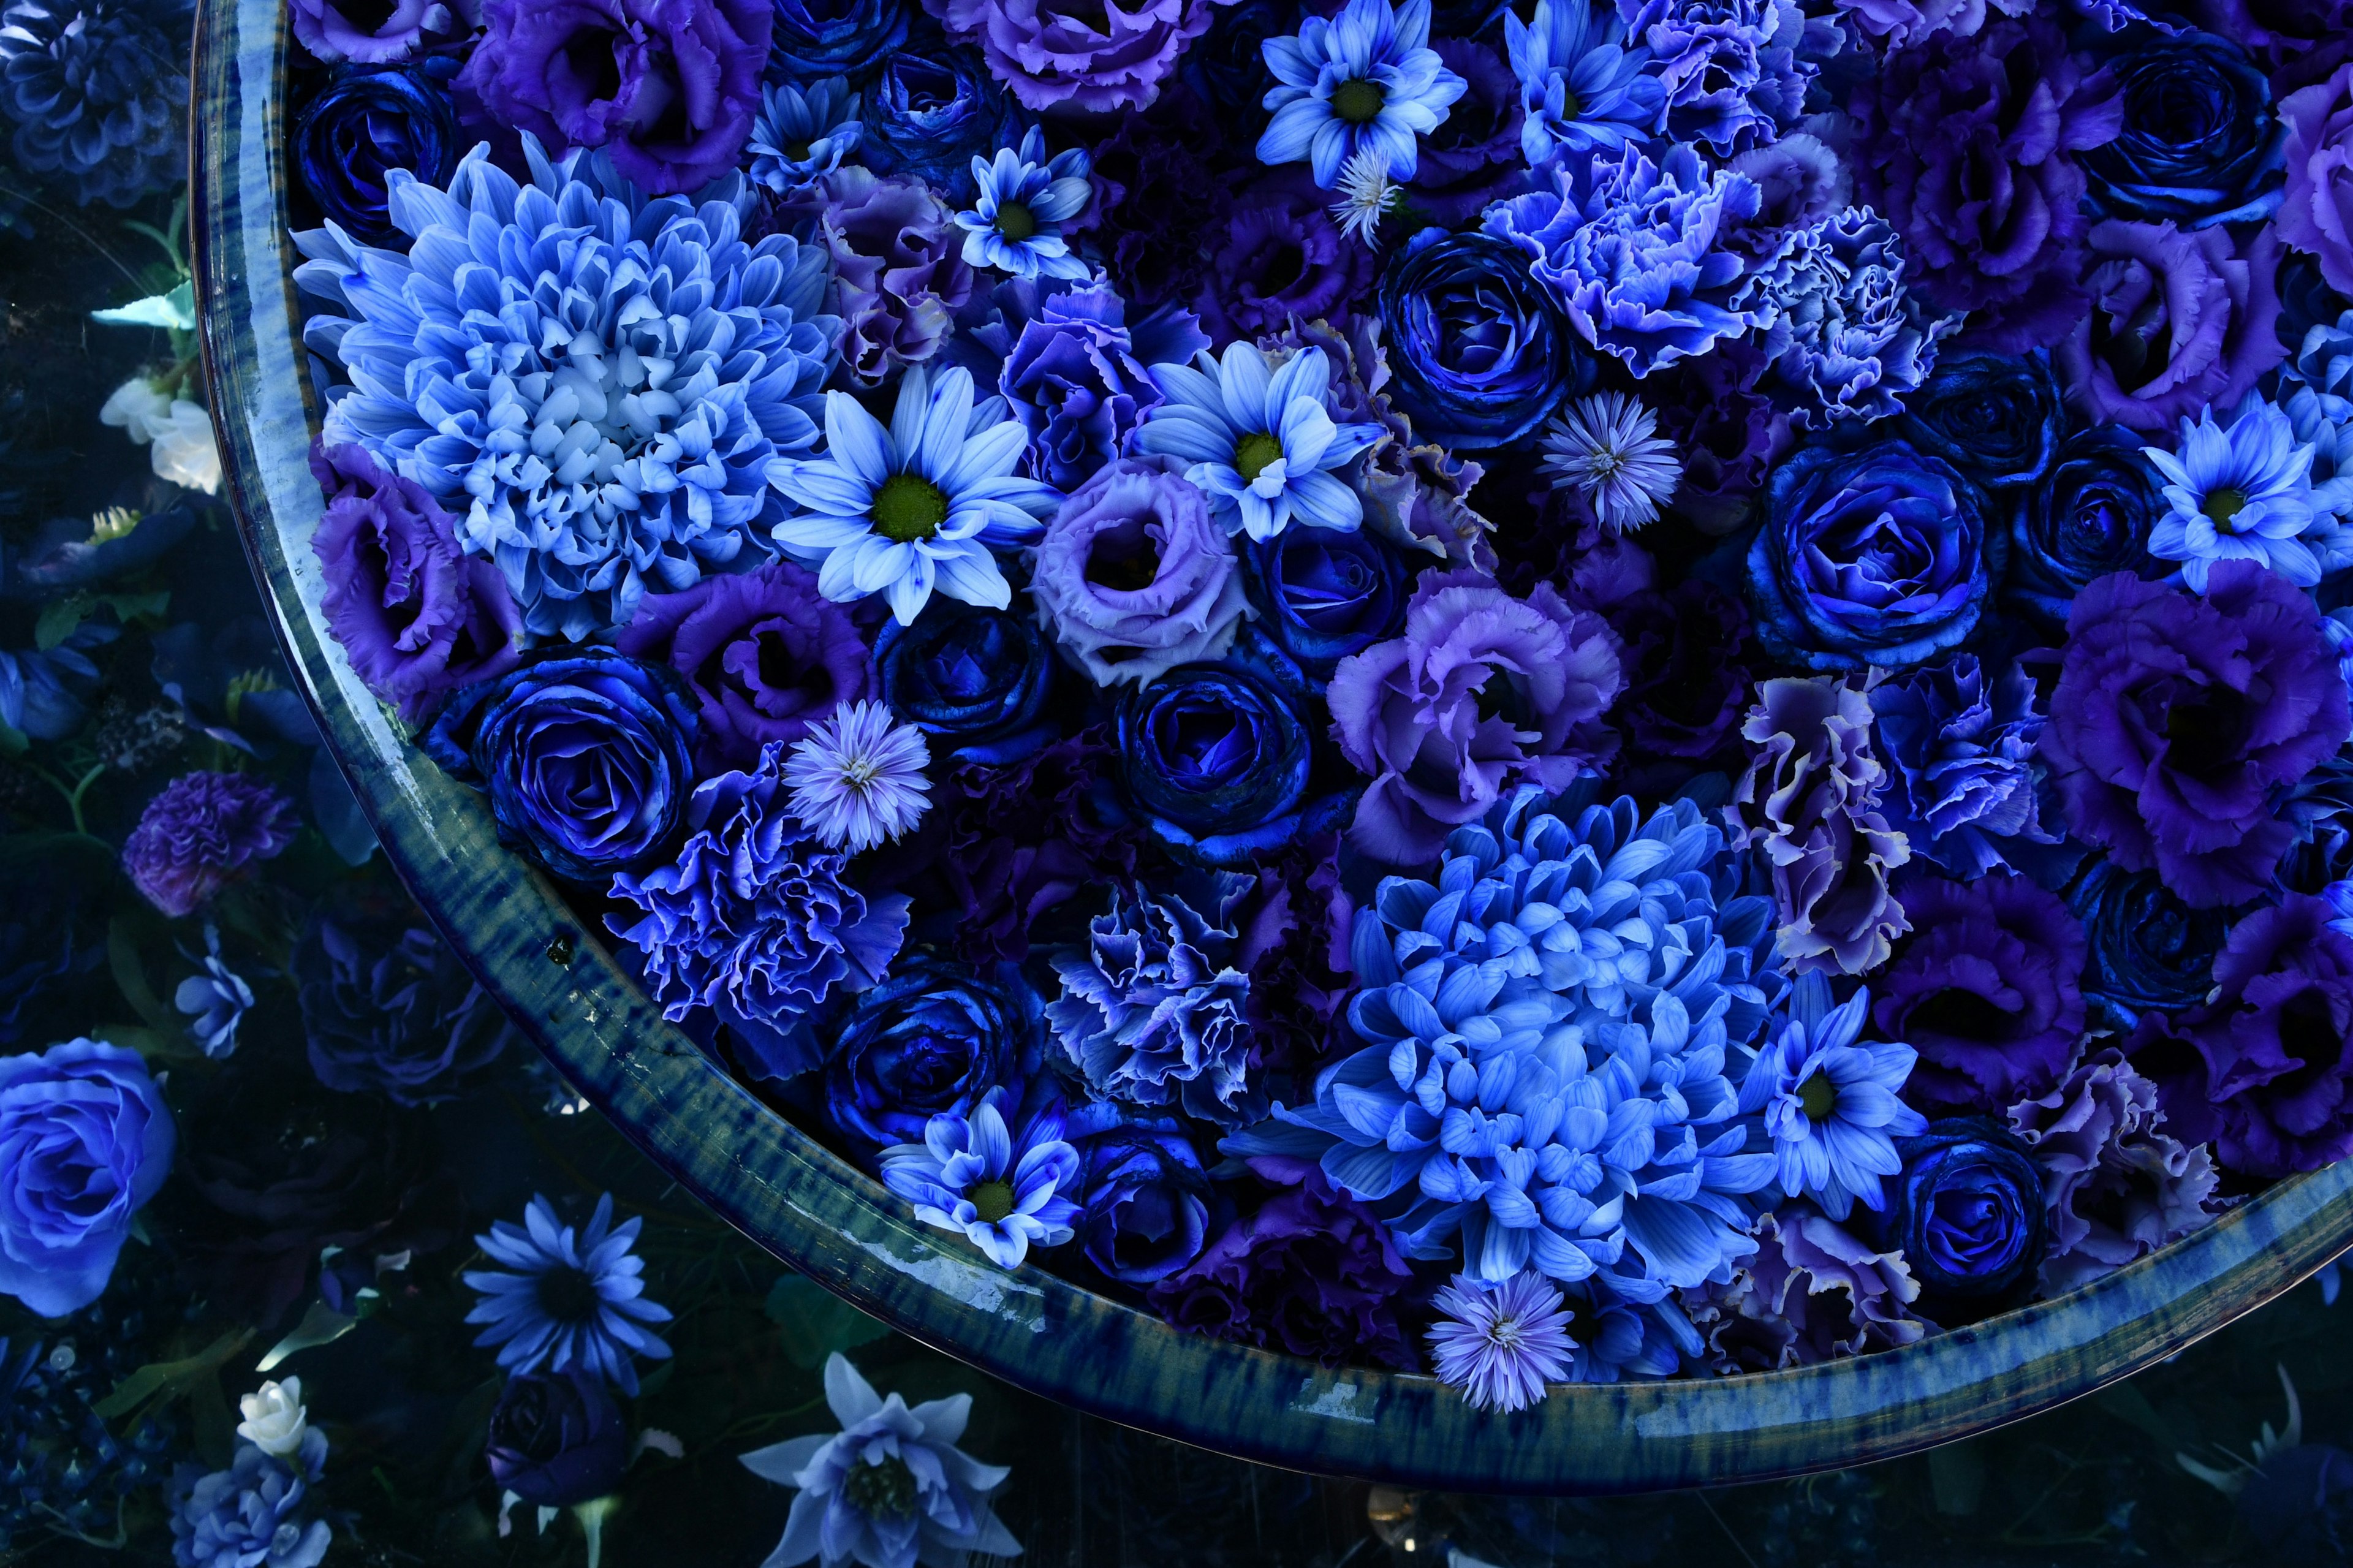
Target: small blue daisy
x=1015, y=224
x=576, y=1301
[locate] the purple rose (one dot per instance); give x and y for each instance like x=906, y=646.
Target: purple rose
x=1088, y=58
x=2176, y=717
x=84, y=1140
x=668, y=88
x=1281, y=255
x=765, y=653
x=2316, y=216
x=2264, y=1066
x=1075, y=383
x=1482, y=691
x=416, y=616
x=899, y=272
x=556, y=1438
x=2178, y=321
x=199, y=834
x=1134, y=576
x=1986, y=992
x=376, y=32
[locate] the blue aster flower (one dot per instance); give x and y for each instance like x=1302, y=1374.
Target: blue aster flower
x=1828, y=1100
x=1367, y=78
x=2240, y=492
x=594, y=381
x=858, y=776
x=574, y=1298
x=1023, y=201
x=1499, y=1344
x=1581, y=87
x=1003, y=1192
x=1258, y=439
x=914, y=508
x=802, y=134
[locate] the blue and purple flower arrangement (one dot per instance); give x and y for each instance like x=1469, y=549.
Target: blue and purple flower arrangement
x=1435, y=687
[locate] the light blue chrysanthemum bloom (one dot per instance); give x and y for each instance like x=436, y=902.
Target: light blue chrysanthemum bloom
x=802, y=134
x=904, y=510
x=2316, y=394
x=2240, y=492
x=1257, y=439
x=1829, y=1099
x=574, y=1298
x=1581, y=87
x=1367, y=78
x=1016, y=222
x=1003, y=1194
x=594, y=381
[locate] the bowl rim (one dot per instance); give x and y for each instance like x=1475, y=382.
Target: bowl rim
x=822, y=1216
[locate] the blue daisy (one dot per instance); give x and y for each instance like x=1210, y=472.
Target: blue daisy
x=575, y=1299
x=2240, y=492
x=1829, y=1102
x=1367, y=78
x=972, y=1175
x=1016, y=223
x=1257, y=439
x=1581, y=87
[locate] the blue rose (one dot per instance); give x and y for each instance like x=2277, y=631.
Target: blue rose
x=1969, y=1218
x=364, y=124
x=818, y=38
x=1216, y=757
x=2150, y=951
x=556, y=1438
x=1478, y=352
x=2090, y=515
x=1321, y=595
x=1146, y=1210
x=931, y=114
x=1996, y=417
x=1875, y=557
x=85, y=1139
x=933, y=1038
x=974, y=678
x=587, y=758
x=2200, y=145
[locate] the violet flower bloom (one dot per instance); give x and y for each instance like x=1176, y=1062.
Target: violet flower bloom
x=1281, y=255
x=1957, y=747
x=201, y=832
x=1732, y=71
x=802, y=134
x=1066, y=54
x=1367, y=78
x=371, y=32
x=568, y=1296
x=1004, y=1193
x=1829, y=1099
x=899, y=272
x=2315, y=213
x=1134, y=577
x=668, y=88
x=1499, y=1344
x=1482, y=692
x=1074, y=380
x=2179, y=321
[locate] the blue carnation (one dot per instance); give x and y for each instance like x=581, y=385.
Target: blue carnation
x=1842, y=331
x=1959, y=749
x=1730, y=68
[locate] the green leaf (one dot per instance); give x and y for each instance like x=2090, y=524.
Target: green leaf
x=130, y=976
x=321, y=1325
x=153, y=1044
x=60, y=619
x=128, y=607
x=175, y=311
x=163, y=1380
x=12, y=741
x=815, y=1323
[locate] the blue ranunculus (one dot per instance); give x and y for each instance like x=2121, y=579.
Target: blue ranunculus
x=1146, y=1210
x=2150, y=951
x=364, y=122
x=1877, y=557
x=587, y=758
x=931, y=114
x=1968, y=1216
x=2090, y=515
x=1478, y=352
x=1216, y=757
x=1996, y=417
x=2201, y=144
x=1321, y=595
x=818, y=38
x=974, y=678
x=85, y=1139
x=932, y=1039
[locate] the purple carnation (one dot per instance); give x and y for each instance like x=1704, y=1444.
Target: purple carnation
x=668, y=88
x=1728, y=434
x=899, y=272
x=2316, y=216
x=1134, y=576
x=2176, y=719
x=416, y=615
x=1482, y=691
x=1281, y=257
x=1312, y=1273
x=199, y=834
x=1813, y=1291
x=1957, y=746
x=1986, y=992
x=374, y=32
x=1473, y=157
x=2178, y=321
x=765, y=653
x=1075, y=55
x=1159, y=199
x=1074, y=381
x=2264, y=1066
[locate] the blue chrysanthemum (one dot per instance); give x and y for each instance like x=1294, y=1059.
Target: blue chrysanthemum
x=1581, y=87
x=1257, y=439
x=1023, y=201
x=596, y=381
x=1829, y=1099
x=99, y=90
x=1368, y=78
x=802, y=134
x=1003, y=1192
x=2239, y=491
x=574, y=1298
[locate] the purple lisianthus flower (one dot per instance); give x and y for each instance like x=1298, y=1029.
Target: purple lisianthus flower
x=1077, y=384
x=765, y=653
x=2264, y=1067
x=668, y=88
x=1985, y=992
x=936, y=1038
x=84, y=1140
x=2175, y=719
x=556, y=1438
x=2315, y=213
x=2179, y=320
x=1280, y=255
x=387, y=1008
x=1078, y=58
x=1813, y=1291
x=1147, y=1199
x=370, y=32
x=1473, y=157
x=200, y=833
x=1004, y=1192
x=899, y=272
x=1957, y=747
x=1482, y=691
x=1160, y=199
x=1134, y=576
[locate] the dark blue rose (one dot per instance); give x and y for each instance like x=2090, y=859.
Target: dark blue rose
x=936, y=1037
x=975, y=677
x=1147, y=1209
x=2199, y=144
x=2320, y=809
x=1216, y=757
x=387, y=1008
x=556, y=1438
x=1321, y=595
x=1226, y=65
x=1881, y=557
x=587, y=758
x=2150, y=951
x=1478, y=352
x=364, y=122
x=817, y=38
x=1996, y=417
x=930, y=114
x=2090, y=516
x=1969, y=1218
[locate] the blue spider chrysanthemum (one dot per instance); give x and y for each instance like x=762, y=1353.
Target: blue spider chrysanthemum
x=1367, y=77
x=1257, y=439
x=594, y=382
x=1830, y=1101
x=1581, y=87
x=575, y=1297
x=904, y=510
x=1023, y=201
x=1004, y=1193
x=802, y=134
x=2239, y=491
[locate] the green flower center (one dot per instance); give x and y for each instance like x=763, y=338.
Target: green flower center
x=1357, y=102
x=1016, y=222
x=1818, y=1097
x=1569, y=106
x=909, y=507
x=886, y=1491
x=2224, y=504
x=993, y=1201
x=1253, y=452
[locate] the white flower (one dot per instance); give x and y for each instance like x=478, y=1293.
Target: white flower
x=1366, y=195
x=138, y=409
x=1607, y=449
x=274, y=1418
x=185, y=450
